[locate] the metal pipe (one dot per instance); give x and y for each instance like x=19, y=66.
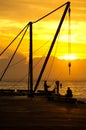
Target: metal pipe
x=30, y=82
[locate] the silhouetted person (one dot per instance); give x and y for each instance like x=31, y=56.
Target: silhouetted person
x=46, y=87
x=57, y=87
x=69, y=92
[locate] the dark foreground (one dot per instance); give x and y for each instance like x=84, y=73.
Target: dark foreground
x=22, y=113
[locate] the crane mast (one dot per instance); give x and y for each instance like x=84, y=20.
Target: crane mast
x=52, y=44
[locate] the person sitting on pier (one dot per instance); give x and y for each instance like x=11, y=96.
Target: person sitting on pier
x=46, y=87
x=69, y=92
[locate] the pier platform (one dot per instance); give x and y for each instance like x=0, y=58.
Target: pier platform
x=37, y=113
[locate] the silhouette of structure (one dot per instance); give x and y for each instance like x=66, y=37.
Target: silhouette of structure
x=31, y=91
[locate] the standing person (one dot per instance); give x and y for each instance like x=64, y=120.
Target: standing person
x=57, y=87
x=69, y=92
x=46, y=87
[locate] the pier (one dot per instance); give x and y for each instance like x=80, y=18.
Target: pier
x=20, y=112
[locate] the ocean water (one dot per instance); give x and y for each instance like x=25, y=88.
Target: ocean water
x=78, y=87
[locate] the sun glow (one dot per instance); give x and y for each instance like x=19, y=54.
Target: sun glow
x=68, y=57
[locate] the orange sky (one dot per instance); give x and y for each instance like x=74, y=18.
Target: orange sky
x=14, y=15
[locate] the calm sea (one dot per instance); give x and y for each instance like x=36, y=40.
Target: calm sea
x=78, y=88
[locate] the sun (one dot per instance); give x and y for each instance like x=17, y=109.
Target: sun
x=68, y=57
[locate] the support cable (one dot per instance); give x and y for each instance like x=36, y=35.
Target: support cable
x=49, y=13
x=42, y=46
x=18, y=62
x=13, y=55
x=13, y=39
x=51, y=66
x=42, y=55
x=23, y=77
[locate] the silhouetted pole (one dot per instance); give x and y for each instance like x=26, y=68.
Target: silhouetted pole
x=30, y=76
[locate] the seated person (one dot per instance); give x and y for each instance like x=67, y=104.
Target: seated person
x=69, y=92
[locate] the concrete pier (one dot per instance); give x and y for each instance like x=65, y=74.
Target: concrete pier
x=21, y=112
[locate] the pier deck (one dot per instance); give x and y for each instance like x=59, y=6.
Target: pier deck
x=18, y=113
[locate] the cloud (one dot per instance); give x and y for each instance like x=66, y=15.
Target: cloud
x=17, y=68
x=26, y=10
x=21, y=10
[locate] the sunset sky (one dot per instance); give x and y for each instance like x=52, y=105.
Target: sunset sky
x=15, y=14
